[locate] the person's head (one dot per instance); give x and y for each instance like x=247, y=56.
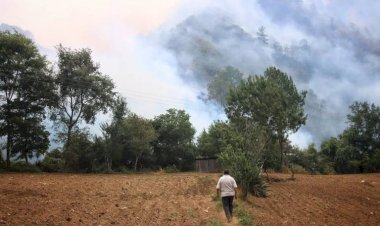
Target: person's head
x=226, y=172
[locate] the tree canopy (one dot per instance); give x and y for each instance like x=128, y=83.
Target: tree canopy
x=271, y=101
x=26, y=89
x=174, y=144
x=82, y=89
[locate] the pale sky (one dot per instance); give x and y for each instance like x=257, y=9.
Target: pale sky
x=80, y=23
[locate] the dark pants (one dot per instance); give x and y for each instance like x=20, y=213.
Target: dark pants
x=227, y=205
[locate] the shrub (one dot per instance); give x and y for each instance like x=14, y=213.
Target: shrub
x=24, y=167
x=246, y=172
x=51, y=164
x=171, y=169
x=298, y=169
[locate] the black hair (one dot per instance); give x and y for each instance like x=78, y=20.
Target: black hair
x=226, y=172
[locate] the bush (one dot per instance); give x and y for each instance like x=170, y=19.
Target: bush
x=24, y=167
x=298, y=169
x=51, y=164
x=171, y=169
x=246, y=172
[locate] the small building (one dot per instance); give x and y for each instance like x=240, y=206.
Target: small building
x=207, y=165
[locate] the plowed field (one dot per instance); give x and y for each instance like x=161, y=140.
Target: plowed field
x=182, y=199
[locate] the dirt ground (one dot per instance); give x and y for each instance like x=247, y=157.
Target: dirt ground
x=182, y=199
x=320, y=200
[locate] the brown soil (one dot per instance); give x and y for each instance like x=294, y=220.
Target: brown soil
x=182, y=199
x=320, y=200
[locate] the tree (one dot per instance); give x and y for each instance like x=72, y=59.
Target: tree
x=364, y=127
x=114, y=134
x=80, y=156
x=272, y=102
x=140, y=135
x=53, y=161
x=174, y=144
x=26, y=89
x=244, y=166
x=82, y=89
x=212, y=142
x=31, y=139
x=361, y=140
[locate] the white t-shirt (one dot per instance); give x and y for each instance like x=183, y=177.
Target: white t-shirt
x=227, y=185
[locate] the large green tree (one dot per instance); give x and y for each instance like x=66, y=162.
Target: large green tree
x=31, y=139
x=81, y=155
x=140, y=135
x=360, y=142
x=211, y=142
x=83, y=90
x=272, y=102
x=114, y=133
x=26, y=89
x=364, y=127
x=174, y=144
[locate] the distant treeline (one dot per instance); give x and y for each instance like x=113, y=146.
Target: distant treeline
x=262, y=111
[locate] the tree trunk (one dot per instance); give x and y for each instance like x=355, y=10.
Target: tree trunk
x=109, y=164
x=69, y=131
x=9, y=140
x=281, y=143
x=137, y=160
x=26, y=159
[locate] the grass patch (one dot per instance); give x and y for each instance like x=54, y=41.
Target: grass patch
x=215, y=222
x=245, y=218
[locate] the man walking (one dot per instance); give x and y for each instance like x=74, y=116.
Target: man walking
x=227, y=189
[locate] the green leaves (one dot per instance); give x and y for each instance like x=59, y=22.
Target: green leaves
x=174, y=144
x=82, y=89
x=26, y=89
x=270, y=102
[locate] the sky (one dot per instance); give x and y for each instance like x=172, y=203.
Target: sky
x=152, y=49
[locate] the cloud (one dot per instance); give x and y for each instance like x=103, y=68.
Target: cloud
x=334, y=56
x=163, y=54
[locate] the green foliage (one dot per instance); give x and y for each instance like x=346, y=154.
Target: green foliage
x=79, y=155
x=171, y=169
x=174, y=144
x=356, y=149
x=212, y=142
x=215, y=222
x=83, y=91
x=26, y=89
x=53, y=162
x=244, y=167
x=310, y=160
x=245, y=218
x=31, y=139
x=140, y=135
x=271, y=101
x=113, y=145
x=298, y=169
x=24, y=167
